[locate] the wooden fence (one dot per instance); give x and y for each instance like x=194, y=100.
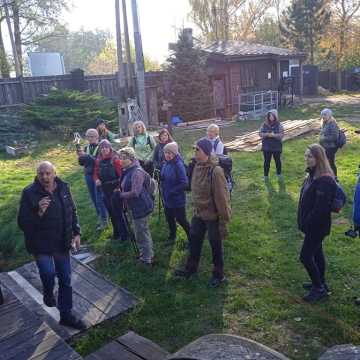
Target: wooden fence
x=17, y=91
x=349, y=80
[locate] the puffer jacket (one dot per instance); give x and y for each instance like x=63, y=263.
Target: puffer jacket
x=174, y=182
x=210, y=195
x=39, y=231
x=329, y=135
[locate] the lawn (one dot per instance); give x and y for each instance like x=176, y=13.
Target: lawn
x=262, y=299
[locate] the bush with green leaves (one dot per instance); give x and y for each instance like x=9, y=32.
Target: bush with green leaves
x=68, y=111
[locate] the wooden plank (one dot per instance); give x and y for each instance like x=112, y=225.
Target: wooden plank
x=102, y=284
x=113, y=351
x=144, y=348
x=35, y=308
x=82, y=306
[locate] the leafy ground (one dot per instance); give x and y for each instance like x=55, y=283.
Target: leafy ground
x=262, y=300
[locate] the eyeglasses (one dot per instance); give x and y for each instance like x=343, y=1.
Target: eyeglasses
x=196, y=148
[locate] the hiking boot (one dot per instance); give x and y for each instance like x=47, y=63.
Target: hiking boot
x=308, y=286
x=315, y=294
x=216, y=281
x=72, y=321
x=280, y=177
x=183, y=273
x=49, y=300
x=266, y=178
x=145, y=264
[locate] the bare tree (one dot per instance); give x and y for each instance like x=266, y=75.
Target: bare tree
x=345, y=12
x=229, y=19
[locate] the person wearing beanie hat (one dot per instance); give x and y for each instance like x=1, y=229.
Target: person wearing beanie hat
x=135, y=194
x=172, y=148
x=271, y=133
x=174, y=182
x=87, y=158
x=104, y=132
x=329, y=135
x=205, y=145
x=211, y=208
x=107, y=175
x=158, y=157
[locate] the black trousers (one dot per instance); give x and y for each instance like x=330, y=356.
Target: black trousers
x=313, y=259
x=114, y=206
x=177, y=215
x=198, y=230
x=267, y=160
x=330, y=154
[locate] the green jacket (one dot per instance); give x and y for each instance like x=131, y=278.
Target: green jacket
x=143, y=145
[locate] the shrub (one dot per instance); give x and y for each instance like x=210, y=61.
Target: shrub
x=69, y=111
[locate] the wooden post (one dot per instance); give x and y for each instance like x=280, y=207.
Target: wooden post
x=129, y=69
x=120, y=74
x=140, y=69
x=278, y=71
x=301, y=79
x=12, y=40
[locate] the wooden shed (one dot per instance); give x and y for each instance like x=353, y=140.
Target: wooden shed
x=237, y=67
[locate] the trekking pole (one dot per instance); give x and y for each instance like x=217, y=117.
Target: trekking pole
x=132, y=236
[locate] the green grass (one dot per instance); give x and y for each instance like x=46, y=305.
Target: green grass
x=262, y=300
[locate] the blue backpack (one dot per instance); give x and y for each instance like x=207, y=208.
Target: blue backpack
x=339, y=199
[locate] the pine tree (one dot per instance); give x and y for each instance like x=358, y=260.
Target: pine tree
x=304, y=22
x=189, y=81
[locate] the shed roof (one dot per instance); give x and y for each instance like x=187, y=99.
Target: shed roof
x=233, y=48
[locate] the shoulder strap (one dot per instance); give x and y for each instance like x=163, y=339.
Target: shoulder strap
x=149, y=142
x=216, y=143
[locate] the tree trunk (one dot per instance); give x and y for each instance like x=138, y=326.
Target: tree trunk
x=339, y=58
x=4, y=64
x=17, y=33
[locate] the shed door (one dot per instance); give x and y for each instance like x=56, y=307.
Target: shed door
x=219, y=94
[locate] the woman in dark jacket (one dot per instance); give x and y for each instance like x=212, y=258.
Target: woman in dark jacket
x=159, y=158
x=314, y=218
x=174, y=182
x=271, y=133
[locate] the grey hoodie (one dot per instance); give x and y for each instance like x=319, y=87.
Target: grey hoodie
x=329, y=135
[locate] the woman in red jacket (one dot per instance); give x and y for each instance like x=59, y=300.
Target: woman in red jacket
x=107, y=174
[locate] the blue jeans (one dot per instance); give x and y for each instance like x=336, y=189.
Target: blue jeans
x=56, y=265
x=96, y=196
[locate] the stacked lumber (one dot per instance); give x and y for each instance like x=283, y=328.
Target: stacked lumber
x=292, y=128
x=203, y=124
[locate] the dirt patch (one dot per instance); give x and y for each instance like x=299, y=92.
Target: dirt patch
x=343, y=99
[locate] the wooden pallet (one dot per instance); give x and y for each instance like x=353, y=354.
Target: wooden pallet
x=95, y=299
x=130, y=347
x=292, y=128
x=24, y=336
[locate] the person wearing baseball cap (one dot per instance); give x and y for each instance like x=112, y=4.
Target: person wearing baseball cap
x=174, y=182
x=211, y=209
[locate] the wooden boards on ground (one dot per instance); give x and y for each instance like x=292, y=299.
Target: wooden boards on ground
x=95, y=299
x=24, y=336
x=292, y=128
x=130, y=347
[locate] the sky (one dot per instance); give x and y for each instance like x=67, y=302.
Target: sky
x=158, y=20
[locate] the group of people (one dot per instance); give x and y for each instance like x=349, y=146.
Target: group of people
x=121, y=185
x=316, y=196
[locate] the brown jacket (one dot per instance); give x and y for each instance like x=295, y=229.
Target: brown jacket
x=210, y=204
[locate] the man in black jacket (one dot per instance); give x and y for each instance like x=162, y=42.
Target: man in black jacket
x=48, y=218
